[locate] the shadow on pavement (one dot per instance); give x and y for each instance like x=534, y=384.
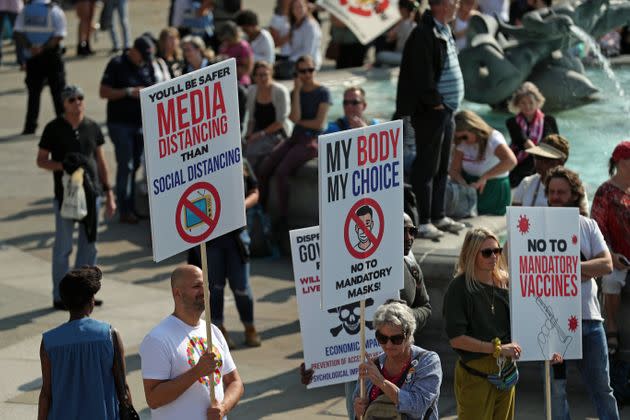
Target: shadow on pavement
x=15, y=321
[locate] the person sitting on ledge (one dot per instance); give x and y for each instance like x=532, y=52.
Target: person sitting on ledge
x=354, y=105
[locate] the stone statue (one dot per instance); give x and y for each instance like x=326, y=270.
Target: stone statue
x=500, y=57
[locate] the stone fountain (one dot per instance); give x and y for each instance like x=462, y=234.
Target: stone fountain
x=500, y=57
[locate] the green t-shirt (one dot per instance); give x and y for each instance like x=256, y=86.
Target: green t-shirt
x=471, y=314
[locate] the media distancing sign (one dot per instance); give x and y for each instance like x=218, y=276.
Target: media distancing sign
x=192, y=145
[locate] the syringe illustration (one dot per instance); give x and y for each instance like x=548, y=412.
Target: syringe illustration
x=551, y=322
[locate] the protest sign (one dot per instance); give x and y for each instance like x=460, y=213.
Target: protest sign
x=192, y=144
x=360, y=212
x=330, y=338
x=367, y=19
x=545, y=286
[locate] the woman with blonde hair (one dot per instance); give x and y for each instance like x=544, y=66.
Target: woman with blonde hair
x=169, y=50
x=196, y=55
x=477, y=314
x=482, y=160
x=527, y=128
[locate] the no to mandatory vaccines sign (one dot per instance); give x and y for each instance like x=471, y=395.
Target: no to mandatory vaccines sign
x=545, y=281
x=330, y=338
x=361, y=213
x=192, y=147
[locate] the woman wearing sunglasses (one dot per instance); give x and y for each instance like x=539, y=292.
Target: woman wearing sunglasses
x=404, y=379
x=477, y=314
x=482, y=159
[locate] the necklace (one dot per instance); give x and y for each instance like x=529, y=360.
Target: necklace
x=491, y=302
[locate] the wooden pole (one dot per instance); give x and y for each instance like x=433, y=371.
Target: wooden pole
x=362, y=357
x=548, y=389
x=206, y=301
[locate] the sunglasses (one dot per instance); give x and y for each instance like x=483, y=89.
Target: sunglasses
x=487, y=253
x=395, y=339
x=412, y=230
x=463, y=137
x=308, y=70
x=75, y=98
x=351, y=102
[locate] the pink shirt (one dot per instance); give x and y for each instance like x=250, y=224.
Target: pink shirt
x=240, y=51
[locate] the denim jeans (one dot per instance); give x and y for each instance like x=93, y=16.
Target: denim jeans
x=62, y=248
x=123, y=18
x=225, y=262
x=349, y=389
x=127, y=139
x=594, y=369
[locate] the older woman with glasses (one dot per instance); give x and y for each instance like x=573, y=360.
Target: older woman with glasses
x=482, y=159
x=268, y=107
x=477, y=314
x=404, y=379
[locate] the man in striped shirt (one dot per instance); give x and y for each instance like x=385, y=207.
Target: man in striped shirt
x=430, y=90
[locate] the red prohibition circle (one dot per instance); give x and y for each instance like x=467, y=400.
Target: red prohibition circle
x=210, y=223
x=376, y=241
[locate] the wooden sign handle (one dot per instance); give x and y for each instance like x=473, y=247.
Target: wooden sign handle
x=206, y=301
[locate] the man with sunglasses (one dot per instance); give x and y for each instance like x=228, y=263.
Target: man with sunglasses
x=354, y=106
x=564, y=188
x=69, y=138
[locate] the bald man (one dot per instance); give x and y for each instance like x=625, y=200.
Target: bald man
x=176, y=364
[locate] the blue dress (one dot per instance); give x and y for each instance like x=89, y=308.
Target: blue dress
x=81, y=355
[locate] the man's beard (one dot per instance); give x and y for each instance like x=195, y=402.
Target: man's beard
x=196, y=304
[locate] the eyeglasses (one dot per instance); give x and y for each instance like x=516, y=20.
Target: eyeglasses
x=351, y=102
x=487, y=253
x=75, y=98
x=463, y=137
x=412, y=230
x=395, y=339
x=307, y=70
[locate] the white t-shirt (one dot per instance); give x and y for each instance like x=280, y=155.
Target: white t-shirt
x=171, y=349
x=307, y=40
x=531, y=193
x=591, y=243
x=282, y=25
x=476, y=167
x=496, y=8
x=264, y=47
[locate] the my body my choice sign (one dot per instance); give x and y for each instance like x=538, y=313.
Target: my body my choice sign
x=360, y=213
x=545, y=286
x=330, y=338
x=192, y=144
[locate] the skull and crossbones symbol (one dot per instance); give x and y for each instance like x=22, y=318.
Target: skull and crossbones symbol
x=350, y=315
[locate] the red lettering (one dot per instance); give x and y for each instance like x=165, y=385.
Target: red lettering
x=219, y=102
x=394, y=141
x=196, y=106
x=361, y=153
x=181, y=111
x=166, y=120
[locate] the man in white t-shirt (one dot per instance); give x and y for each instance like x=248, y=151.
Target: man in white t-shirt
x=552, y=151
x=564, y=189
x=177, y=367
x=259, y=38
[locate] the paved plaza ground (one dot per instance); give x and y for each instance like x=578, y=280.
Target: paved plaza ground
x=136, y=290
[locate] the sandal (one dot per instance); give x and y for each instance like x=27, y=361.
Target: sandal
x=612, y=339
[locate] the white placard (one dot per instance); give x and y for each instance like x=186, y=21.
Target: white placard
x=360, y=212
x=192, y=145
x=330, y=338
x=545, y=285
x=366, y=19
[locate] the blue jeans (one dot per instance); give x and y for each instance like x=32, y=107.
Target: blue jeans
x=594, y=369
x=123, y=18
x=127, y=139
x=62, y=248
x=225, y=262
x=349, y=389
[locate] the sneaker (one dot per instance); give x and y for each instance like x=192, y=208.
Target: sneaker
x=449, y=225
x=231, y=344
x=428, y=231
x=252, y=339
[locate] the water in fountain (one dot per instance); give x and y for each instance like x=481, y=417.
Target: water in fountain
x=593, y=46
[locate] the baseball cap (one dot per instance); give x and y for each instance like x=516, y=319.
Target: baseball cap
x=622, y=151
x=554, y=146
x=145, y=47
x=71, y=91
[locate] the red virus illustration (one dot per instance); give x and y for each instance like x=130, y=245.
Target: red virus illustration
x=523, y=224
x=365, y=7
x=574, y=239
x=573, y=323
